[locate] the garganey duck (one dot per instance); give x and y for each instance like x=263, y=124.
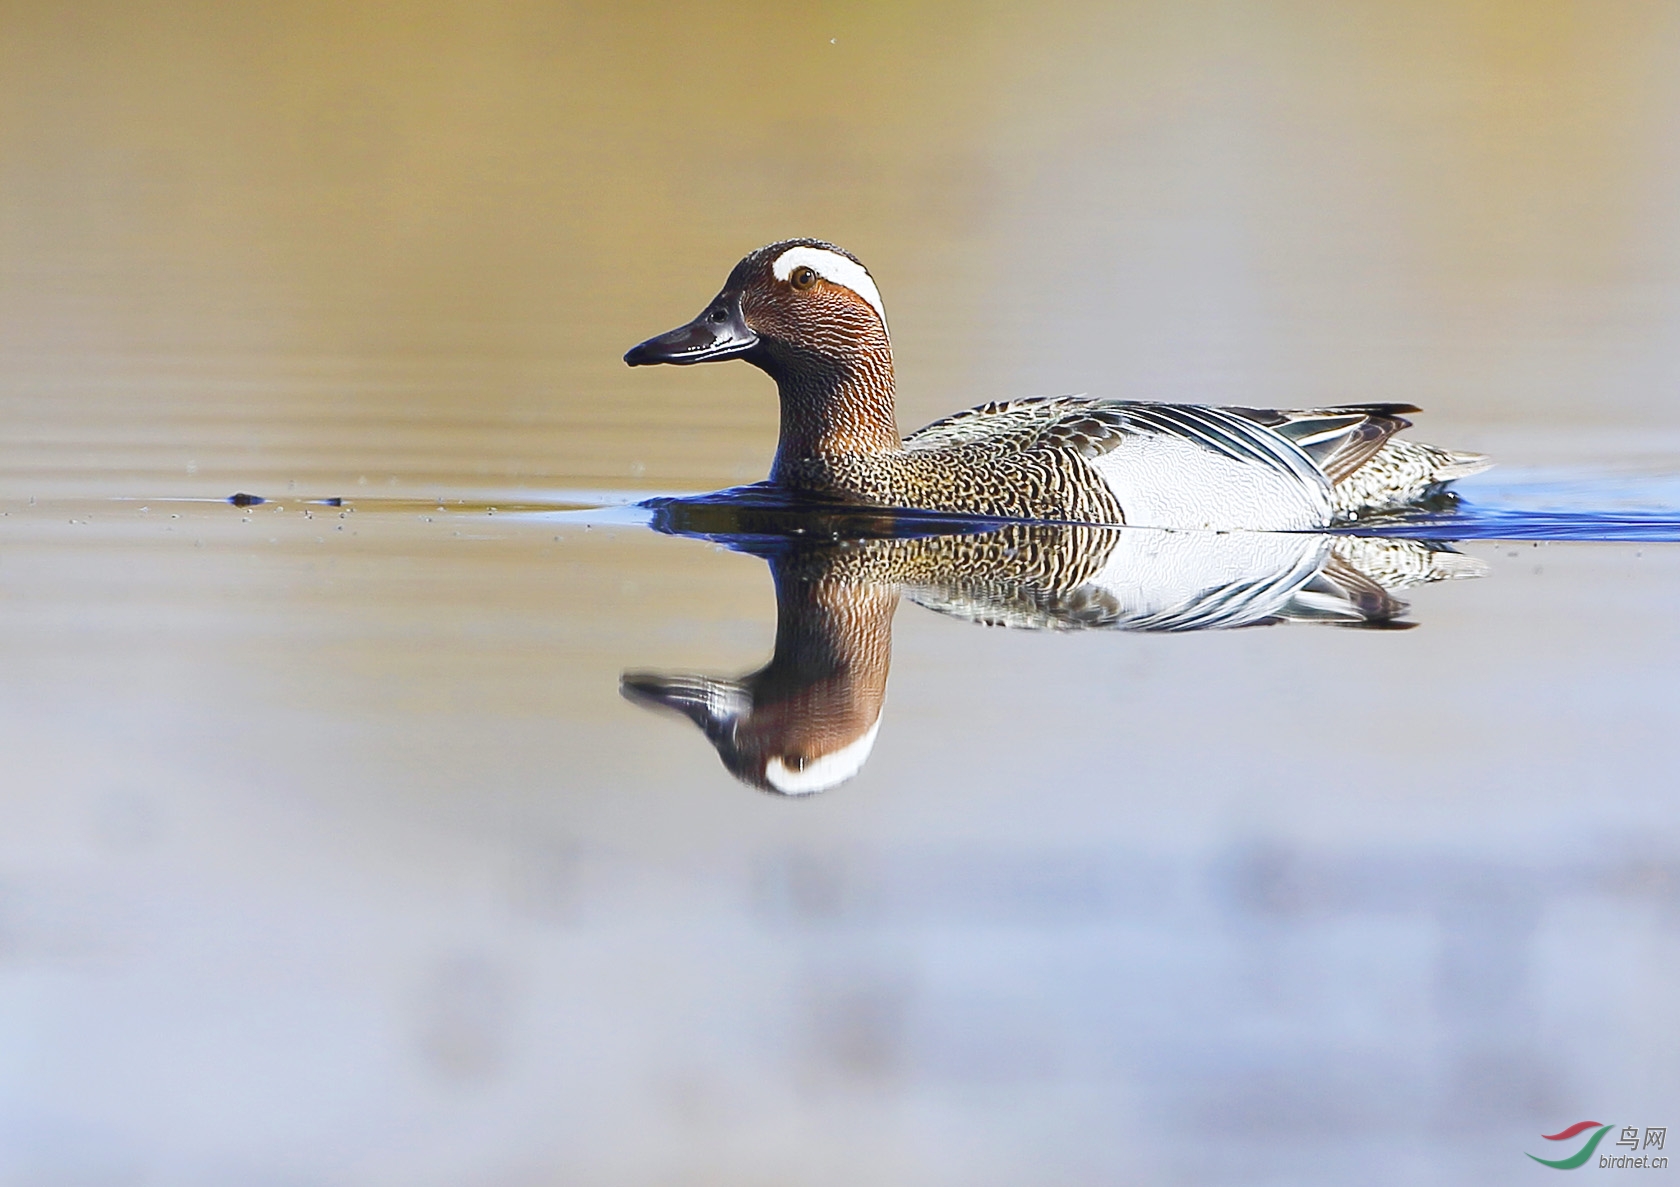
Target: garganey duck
x=809, y=315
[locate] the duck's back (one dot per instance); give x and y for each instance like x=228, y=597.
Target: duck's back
x=1199, y=466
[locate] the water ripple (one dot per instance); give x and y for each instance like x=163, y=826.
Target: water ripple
x=1550, y=504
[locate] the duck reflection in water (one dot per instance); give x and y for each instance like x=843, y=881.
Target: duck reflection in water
x=807, y=720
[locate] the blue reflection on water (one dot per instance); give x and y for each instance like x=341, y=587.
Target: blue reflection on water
x=1550, y=504
x=1506, y=504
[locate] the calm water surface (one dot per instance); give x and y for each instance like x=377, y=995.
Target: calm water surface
x=341, y=845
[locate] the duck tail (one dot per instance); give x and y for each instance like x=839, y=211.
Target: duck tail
x=1400, y=474
x=1455, y=463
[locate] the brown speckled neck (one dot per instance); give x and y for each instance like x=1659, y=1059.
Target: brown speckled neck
x=833, y=405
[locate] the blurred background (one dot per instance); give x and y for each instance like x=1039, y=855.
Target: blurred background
x=331, y=854
x=412, y=241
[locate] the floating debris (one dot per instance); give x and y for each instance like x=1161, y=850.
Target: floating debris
x=247, y=500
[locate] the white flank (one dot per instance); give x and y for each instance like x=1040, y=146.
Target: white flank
x=825, y=772
x=1168, y=481
x=834, y=268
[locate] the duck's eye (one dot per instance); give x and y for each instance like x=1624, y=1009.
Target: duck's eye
x=803, y=278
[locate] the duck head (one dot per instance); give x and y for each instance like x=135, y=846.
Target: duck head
x=808, y=314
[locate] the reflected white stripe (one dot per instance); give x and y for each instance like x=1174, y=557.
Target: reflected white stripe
x=825, y=772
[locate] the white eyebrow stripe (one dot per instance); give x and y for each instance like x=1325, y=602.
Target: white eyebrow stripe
x=836, y=269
